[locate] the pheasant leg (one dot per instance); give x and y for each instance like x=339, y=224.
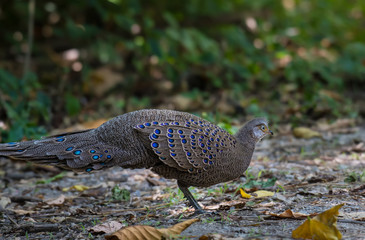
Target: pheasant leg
x=190, y=198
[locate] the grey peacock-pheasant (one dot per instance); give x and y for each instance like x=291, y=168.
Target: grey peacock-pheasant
x=175, y=145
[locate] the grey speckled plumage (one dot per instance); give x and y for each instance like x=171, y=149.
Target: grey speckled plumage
x=175, y=145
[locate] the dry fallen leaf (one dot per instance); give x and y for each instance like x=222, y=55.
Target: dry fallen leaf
x=23, y=212
x=237, y=204
x=244, y=194
x=149, y=233
x=217, y=236
x=58, y=201
x=357, y=216
x=344, y=123
x=359, y=148
x=78, y=187
x=107, y=228
x=4, y=201
x=102, y=80
x=321, y=227
x=289, y=214
x=306, y=133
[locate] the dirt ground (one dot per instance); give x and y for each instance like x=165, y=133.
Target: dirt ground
x=313, y=175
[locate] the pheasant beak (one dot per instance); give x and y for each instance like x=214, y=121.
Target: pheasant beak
x=271, y=132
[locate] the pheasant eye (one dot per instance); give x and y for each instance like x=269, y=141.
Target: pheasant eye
x=263, y=128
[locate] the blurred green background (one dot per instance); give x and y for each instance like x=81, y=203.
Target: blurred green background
x=289, y=60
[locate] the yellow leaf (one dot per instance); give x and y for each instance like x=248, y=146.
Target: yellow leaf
x=149, y=233
x=306, y=133
x=264, y=193
x=303, y=231
x=78, y=187
x=244, y=194
x=321, y=227
x=321, y=231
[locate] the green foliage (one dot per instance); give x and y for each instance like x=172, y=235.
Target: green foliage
x=52, y=179
x=222, y=121
x=243, y=48
x=73, y=106
x=355, y=177
x=175, y=196
x=253, y=181
x=24, y=104
x=352, y=62
x=119, y=194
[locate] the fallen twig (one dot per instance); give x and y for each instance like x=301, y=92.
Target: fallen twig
x=39, y=227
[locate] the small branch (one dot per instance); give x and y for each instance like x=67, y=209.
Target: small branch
x=350, y=221
x=22, y=199
x=12, y=220
x=39, y=227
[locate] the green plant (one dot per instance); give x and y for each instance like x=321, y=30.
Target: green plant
x=254, y=181
x=119, y=194
x=175, y=196
x=95, y=221
x=51, y=236
x=227, y=218
x=25, y=106
x=280, y=187
x=355, y=177
x=180, y=218
x=51, y=179
x=209, y=219
x=246, y=53
x=83, y=228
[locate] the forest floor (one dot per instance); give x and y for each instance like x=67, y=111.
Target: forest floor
x=312, y=175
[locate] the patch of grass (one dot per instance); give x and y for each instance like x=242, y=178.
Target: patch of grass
x=280, y=187
x=355, y=177
x=255, y=181
x=95, y=221
x=150, y=212
x=176, y=195
x=151, y=222
x=51, y=236
x=255, y=233
x=51, y=179
x=83, y=228
x=209, y=220
x=221, y=120
x=227, y=218
x=119, y=194
x=218, y=191
x=25, y=104
x=250, y=203
x=180, y=218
